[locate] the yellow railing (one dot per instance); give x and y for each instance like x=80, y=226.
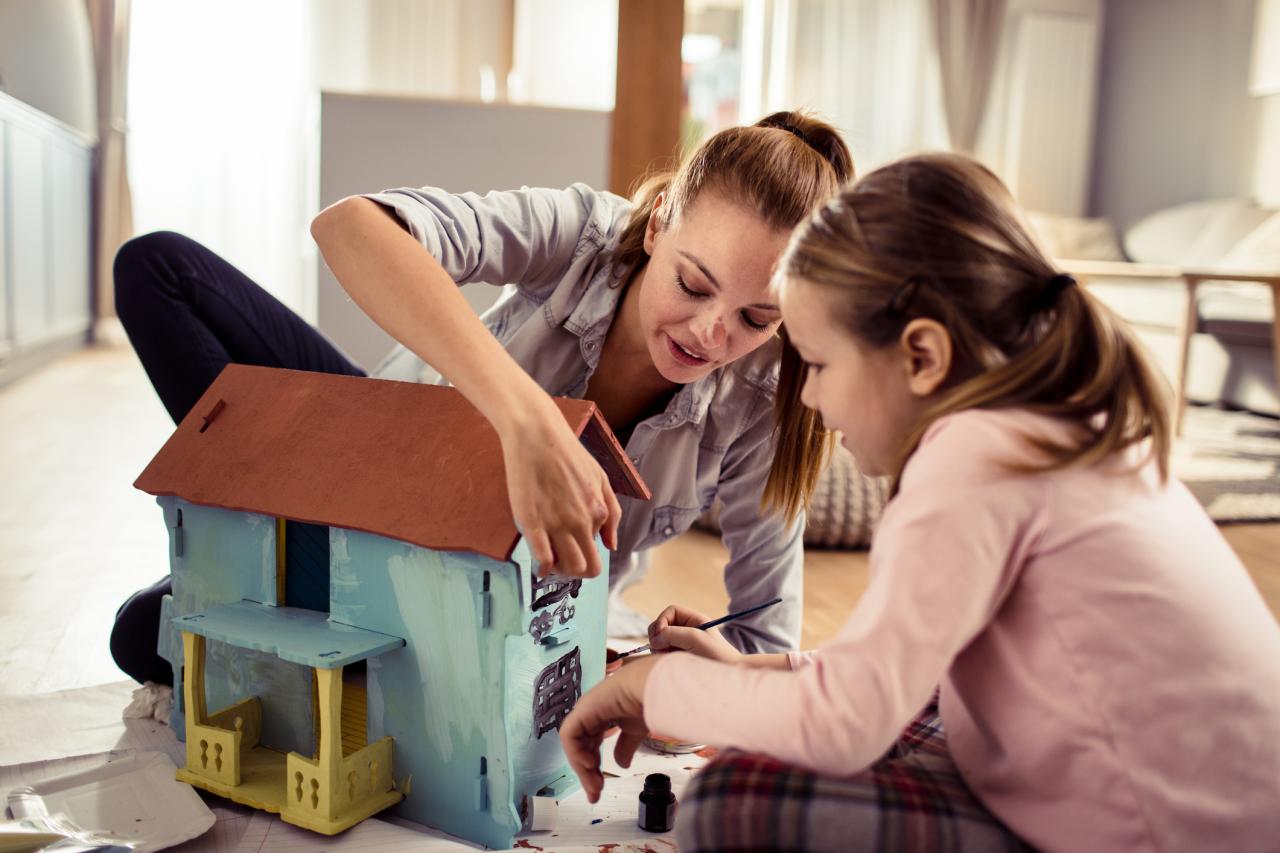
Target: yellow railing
x=317, y=795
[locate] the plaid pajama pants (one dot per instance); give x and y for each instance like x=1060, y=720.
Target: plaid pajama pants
x=912, y=799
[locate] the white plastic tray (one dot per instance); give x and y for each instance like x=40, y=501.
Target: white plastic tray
x=131, y=799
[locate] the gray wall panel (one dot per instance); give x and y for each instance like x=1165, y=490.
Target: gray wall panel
x=369, y=143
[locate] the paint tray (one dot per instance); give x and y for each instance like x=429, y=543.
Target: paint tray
x=135, y=799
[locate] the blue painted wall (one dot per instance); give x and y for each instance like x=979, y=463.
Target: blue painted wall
x=459, y=692
x=223, y=557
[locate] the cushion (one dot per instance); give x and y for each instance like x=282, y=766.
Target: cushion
x=1197, y=234
x=1258, y=251
x=1075, y=237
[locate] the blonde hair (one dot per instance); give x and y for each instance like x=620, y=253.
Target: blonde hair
x=939, y=236
x=781, y=168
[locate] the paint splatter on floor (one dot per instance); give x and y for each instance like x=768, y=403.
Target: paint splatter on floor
x=597, y=820
x=524, y=844
x=642, y=847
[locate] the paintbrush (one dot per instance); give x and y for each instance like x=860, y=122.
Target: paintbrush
x=712, y=624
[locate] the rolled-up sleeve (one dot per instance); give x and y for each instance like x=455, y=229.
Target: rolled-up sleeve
x=525, y=237
x=766, y=553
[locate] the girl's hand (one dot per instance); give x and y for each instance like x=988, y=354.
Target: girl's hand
x=676, y=629
x=616, y=701
x=560, y=496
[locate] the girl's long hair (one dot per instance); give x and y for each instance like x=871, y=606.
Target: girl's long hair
x=782, y=167
x=939, y=236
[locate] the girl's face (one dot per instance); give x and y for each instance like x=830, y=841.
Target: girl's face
x=867, y=394
x=705, y=300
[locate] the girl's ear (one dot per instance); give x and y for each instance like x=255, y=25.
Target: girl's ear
x=927, y=347
x=654, y=225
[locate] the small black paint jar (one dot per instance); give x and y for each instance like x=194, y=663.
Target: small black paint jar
x=657, y=804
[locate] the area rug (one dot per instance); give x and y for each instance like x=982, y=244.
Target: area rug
x=1230, y=460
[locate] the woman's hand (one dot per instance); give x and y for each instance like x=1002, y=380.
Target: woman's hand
x=616, y=701
x=560, y=496
x=676, y=629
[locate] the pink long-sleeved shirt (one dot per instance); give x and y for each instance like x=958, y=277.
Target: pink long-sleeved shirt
x=1110, y=676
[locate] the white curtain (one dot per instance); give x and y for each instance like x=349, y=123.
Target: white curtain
x=222, y=132
x=967, y=35
x=565, y=53
x=870, y=68
x=224, y=110
x=113, y=212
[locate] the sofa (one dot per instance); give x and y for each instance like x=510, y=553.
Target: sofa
x=1199, y=282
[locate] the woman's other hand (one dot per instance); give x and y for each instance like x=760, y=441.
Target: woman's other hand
x=560, y=496
x=616, y=701
x=676, y=629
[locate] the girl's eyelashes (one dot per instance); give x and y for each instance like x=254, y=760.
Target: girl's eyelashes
x=697, y=294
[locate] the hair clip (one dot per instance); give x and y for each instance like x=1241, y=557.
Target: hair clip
x=800, y=134
x=1058, y=283
x=1048, y=295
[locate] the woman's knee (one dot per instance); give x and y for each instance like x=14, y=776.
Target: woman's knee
x=139, y=263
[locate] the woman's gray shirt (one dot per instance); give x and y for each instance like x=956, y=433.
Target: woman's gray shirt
x=713, y=439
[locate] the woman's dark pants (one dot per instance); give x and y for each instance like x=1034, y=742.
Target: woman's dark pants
x=189, y=314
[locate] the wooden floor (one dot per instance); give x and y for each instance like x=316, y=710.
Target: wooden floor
x=76, y=538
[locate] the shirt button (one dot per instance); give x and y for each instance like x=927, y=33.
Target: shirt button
x=668, y=530
x=591, y=346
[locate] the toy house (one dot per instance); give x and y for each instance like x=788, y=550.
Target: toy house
x=353, y=601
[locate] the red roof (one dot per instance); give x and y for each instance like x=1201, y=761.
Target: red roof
x=407, y=461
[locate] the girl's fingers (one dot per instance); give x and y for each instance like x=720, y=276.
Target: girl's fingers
x=625, y=749
x=657, y=626
x=685, y=617
x=687, y=639
x=583, y=752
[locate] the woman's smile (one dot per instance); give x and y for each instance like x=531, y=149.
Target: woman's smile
x=685, y=355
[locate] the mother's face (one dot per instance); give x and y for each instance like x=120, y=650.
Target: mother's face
x=705, y=299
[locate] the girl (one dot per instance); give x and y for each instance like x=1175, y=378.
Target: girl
x=1110, y=678
x=657, y=309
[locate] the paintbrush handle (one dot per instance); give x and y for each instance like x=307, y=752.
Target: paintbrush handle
x=730, y=617
x=712, y=624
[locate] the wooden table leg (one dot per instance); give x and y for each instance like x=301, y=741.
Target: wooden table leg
x=1275, y=333
x=1186, y=330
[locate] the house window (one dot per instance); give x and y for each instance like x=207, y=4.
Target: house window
x=555, y=692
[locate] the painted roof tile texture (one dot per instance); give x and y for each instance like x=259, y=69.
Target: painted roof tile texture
x=412, y=462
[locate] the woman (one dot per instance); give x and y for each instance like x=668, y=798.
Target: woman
x=657, y=309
